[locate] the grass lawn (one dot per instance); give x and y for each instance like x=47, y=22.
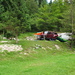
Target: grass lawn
x=47, y=65
x=43, y=60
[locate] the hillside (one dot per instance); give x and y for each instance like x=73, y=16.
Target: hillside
x=38, y=57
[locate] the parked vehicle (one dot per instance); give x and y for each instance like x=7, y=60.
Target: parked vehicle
x=48, y=35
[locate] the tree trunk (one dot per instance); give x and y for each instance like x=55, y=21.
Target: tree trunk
x=16, y=39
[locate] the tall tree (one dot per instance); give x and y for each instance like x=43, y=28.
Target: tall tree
x=72, y=2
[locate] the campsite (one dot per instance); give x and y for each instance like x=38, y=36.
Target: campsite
x=37, y=37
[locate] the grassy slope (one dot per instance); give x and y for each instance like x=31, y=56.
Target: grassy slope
x=50, y=65
x=38, y=61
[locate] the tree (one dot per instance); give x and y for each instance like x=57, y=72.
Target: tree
x=72, y=2
x=31, y=6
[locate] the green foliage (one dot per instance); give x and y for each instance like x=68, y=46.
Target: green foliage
x=1, y=9
x=49, y=17
x=31, y=6
x=20, y=16
x=29, y=17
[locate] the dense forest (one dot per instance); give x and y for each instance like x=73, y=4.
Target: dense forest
x=20, y=16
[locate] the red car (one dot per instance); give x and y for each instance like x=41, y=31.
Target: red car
x=48, y=35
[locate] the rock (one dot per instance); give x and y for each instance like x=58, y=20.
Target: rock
x=44, y=48
x=25, y=53
x=10, y=47
x=57, y=47
x=49, y=47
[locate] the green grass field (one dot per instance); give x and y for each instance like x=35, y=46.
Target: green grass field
x=46, y=65
x=44, y=59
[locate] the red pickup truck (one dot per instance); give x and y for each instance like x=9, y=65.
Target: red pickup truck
x=48, y=35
